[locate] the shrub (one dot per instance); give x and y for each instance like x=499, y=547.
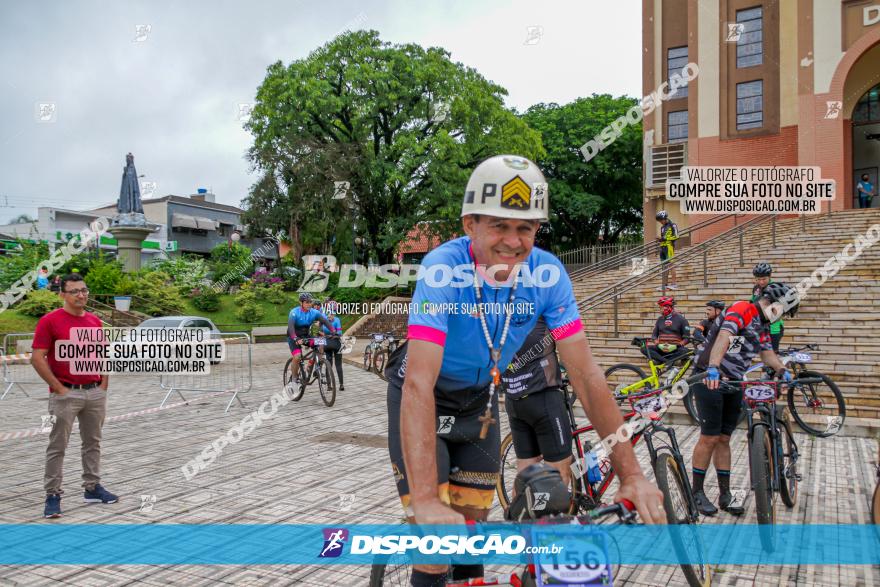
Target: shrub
x=274, y=294
x=39, y=303
x=250, y=313
x=155, y=294
x=188, y=272
x=230, y=263
x=104, y=276
x=206, y=299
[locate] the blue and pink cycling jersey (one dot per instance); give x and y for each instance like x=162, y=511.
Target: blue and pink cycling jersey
x=337, y=327
x=299, y=322
x=466, y=360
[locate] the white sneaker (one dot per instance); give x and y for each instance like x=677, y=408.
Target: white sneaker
x=672, y=286
x=292, y=387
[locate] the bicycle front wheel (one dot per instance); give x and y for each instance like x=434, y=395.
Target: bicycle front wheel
x=368, y=358
x=818, y=408
x=788, y=482
x=688, y=545
x=507, y=473
x=327, y=384
x=875, y=505
x=295, y=393
x=761, y=464
x=690, y=404
x=622, y=376
x=379, y=363
x=393, y=571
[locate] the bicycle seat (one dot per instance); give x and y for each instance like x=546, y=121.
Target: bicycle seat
x=636, y=341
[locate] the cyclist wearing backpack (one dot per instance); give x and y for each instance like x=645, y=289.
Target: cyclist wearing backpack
x=762, y=273
x=334, y=344
x=667, y=238
x=736, y=337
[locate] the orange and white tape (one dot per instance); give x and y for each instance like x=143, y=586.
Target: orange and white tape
x=30, y=432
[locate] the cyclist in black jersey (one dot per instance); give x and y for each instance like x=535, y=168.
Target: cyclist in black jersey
x=670, y=334
x=535, y=404
x=713, y=310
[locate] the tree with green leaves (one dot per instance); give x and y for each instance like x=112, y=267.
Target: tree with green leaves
x=597, y=198
x=230, y=263
x=401, y=124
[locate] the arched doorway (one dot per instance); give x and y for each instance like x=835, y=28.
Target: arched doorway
x=866, y=141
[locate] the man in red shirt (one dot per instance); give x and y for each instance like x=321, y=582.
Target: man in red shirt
x=71, y=397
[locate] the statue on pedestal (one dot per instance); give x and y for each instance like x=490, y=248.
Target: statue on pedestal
x=129, y=207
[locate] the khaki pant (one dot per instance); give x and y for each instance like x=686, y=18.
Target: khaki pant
x=89, y=406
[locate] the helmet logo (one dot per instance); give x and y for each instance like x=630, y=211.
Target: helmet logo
x=516, y=163
x=516, y=194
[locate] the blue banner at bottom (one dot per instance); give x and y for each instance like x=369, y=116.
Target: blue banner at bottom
x=553, y=544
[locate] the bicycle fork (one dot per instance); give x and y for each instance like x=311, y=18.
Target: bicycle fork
x=692, y=513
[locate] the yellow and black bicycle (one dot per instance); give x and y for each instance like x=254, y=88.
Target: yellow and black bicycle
x=626, y=379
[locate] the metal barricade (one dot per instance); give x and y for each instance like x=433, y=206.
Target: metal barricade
x=233, y=374
x=16, y=358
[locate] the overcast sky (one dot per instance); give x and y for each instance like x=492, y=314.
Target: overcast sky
x=171, y=96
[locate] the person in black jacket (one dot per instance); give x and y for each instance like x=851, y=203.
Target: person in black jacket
x=670, y=334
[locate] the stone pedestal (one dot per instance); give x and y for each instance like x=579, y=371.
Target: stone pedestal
x=128, y=245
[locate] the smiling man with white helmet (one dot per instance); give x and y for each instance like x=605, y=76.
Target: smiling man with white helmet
x=444, y=440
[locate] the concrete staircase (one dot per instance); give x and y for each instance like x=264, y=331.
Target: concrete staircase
x=842, y=315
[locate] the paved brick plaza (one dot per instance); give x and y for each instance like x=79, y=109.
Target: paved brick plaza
x=295, y=467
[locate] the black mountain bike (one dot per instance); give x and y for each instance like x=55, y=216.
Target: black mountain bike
x=814, y=401
x=387, y=345
x=773, y=454
x=313, y=366
x=666, y=460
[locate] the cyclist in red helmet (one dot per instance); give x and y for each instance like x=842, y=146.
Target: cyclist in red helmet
x=670, y=333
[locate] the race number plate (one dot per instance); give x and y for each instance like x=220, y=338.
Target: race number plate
x=802, y=357
x=760, y=392
x=650, y=405
x=319, y=341
x=378, y=337
x=582, y=558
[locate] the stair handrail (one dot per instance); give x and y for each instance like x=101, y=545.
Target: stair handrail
x=644, y=250
x=614, y=292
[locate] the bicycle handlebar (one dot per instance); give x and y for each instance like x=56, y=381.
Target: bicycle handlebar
x=808, y=347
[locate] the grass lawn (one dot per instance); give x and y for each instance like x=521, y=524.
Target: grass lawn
x=15, y=321
x=226, y=320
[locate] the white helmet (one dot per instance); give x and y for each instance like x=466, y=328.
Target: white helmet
x=507, y=186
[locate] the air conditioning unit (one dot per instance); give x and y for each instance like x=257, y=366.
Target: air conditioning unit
x=665, y=162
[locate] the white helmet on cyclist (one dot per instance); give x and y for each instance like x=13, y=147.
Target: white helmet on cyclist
x=507, y=186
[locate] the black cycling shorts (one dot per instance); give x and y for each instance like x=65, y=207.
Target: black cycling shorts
x=667, y=252
x=540, y=425
x=467, y=466
x=719, y=409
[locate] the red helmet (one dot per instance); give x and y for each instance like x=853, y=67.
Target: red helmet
x=666, y=301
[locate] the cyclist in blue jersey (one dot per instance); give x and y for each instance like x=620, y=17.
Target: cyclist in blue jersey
x=334, y=344
x=299, y=322
x=477, y=299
